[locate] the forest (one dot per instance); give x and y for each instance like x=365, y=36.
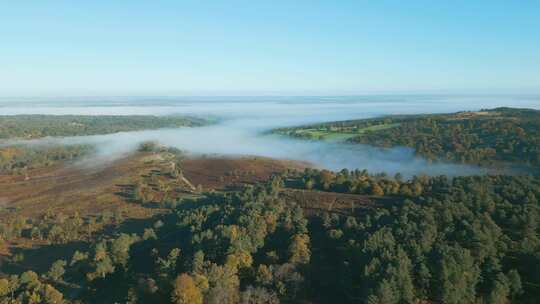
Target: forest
x=428, y=239
x=270, y=152
x=163, y=227
x=487, y=137
x=36, y=126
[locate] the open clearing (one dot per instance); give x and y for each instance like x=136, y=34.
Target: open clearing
x=221, y=172
x=341, y=134
x=90, y=190
x=71, y=188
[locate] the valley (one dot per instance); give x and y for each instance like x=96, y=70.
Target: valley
x=81, y=226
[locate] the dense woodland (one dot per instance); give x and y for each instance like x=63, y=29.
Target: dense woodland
x=485, y=137
x=460, y=240
x=35, y=126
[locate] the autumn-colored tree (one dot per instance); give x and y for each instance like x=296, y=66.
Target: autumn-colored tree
x=185, y=291
x=52, y=296
x=240, y=259
x=299, y=252
x=264, y=275
x=376, y=190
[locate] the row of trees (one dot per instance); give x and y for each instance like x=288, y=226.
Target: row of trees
x=359, y=182
x=19, y=159
x=58, y=228
x=36, y=126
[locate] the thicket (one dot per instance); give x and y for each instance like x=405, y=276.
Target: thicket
x=20, y=158
x=459, y=240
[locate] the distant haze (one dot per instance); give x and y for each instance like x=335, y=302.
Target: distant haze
x=242, y=121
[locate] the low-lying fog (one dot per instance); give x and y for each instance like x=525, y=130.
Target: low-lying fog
x=243, y=121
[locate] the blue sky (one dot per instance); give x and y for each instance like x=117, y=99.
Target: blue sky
x=268, y=47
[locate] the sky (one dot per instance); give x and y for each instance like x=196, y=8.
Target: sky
x=91, y=48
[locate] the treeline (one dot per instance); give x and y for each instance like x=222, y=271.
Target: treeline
x=485, y=137
x=313, y=131
x=36, y=126
x=20, y=158
x=58, y=228
x=359, y=182
x=498, y=135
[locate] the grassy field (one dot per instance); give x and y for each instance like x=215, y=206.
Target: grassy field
x=338, y=134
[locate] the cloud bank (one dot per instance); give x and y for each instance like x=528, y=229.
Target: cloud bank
x=244, y=120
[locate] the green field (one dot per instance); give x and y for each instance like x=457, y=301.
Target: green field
x=336, y=134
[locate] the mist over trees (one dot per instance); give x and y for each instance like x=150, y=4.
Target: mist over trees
x=294, y=236
x=488, y=137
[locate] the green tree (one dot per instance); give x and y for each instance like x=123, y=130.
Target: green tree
x=149, y=234
x=459, y=275
x=120, y=248
x=514, y=280
x=385, y=294
x=57, y=270
x=78, y=257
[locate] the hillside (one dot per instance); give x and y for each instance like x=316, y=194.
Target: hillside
x=256, y=230
x=158, y=226
x=487, y=137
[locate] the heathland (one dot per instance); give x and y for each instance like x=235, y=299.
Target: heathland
x=162, y=226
